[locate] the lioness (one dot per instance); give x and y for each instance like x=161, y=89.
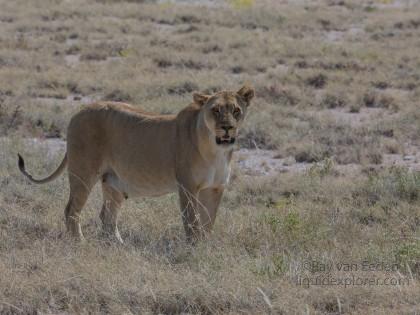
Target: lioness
x=135, y=153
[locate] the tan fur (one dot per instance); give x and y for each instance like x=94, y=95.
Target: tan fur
x=135, y=153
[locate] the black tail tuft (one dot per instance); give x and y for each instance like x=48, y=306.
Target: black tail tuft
x=21, y=162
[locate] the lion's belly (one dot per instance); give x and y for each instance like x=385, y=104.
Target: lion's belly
x=142, y=188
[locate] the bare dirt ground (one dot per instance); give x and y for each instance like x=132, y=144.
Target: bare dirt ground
x=322, y=215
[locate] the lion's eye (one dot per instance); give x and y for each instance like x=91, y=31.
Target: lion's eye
x=216, y=110
x=236, y=112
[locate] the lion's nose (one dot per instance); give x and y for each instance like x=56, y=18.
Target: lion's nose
x=227, y=128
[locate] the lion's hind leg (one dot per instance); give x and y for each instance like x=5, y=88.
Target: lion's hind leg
x=79, y=192
x=112, y=200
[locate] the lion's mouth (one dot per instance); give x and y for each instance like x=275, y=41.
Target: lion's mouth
x=225, y=140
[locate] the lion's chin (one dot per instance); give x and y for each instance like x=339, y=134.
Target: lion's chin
x=225, y=141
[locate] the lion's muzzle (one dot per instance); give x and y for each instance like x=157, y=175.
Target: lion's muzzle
x=225, y=135
x=225, y=140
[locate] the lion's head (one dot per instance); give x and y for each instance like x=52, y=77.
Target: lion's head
x=224, y=113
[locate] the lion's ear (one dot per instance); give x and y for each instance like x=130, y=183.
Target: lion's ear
x=200, y=99
x=247, y=93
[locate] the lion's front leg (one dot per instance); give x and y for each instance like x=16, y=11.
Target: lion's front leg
x=209, y=200
x=188, y=199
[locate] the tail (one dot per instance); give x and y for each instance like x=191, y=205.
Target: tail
x=53, y=176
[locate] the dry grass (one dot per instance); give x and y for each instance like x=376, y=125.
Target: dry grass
x=337, y=86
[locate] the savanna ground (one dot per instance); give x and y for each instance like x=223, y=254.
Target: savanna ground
x=327, y=175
